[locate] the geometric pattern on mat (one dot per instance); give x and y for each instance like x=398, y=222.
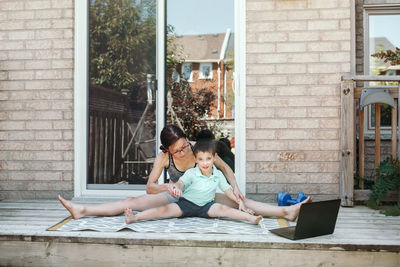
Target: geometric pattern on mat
x=173, y=225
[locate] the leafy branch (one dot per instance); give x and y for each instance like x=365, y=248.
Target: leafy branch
x=393, y=57
x=122, y=43
x=185, y=107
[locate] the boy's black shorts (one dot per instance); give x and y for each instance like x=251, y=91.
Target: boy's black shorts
x=189, y=209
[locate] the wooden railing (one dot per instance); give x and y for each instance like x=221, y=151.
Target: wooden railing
x=121, y=143
x=350, y=109
x=107, y=132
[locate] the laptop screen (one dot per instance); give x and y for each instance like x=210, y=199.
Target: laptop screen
x=317, y=218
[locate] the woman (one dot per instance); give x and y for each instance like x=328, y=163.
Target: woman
x=176, y=157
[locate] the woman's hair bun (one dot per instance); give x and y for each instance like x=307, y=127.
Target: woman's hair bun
x=163, y=149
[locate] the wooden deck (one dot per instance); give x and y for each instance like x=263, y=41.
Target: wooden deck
x=363, y=237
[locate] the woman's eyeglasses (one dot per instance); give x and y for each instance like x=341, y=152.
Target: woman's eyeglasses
x=186, y=145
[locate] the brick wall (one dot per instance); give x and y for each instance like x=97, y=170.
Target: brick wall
x=296, y=53
x=36, y=98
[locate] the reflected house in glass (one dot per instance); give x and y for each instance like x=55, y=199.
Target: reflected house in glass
x=208, y=64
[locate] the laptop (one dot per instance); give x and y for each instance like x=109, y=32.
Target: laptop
x=315, y=219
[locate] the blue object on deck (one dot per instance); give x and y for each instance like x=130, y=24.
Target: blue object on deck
x=285, y=199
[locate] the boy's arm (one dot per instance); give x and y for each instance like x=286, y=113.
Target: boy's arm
x=180, y=185
x=229, y=193
x=177, y=189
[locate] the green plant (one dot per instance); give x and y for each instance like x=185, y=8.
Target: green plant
x=367, y=183
x=392, y=212
x=388, y=177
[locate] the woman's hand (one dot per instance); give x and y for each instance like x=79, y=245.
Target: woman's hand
x=238, y=194
x=243, y=207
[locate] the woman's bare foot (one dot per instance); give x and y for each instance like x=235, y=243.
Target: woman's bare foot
x=129, y=217
x=256, y=219
x=293, y=211
x=75, y=210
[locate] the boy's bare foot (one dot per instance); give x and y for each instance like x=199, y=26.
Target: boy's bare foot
x=129, y=217
x=75, y=210
x=293, y=211
x=257, y=219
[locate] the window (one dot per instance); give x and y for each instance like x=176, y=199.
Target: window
x=175, y=76
x=380, y=35
x=187, y=72
x=205, y=71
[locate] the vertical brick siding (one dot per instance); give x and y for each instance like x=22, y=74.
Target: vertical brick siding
x=36, y=98
x=296, y=53
x=359, y=37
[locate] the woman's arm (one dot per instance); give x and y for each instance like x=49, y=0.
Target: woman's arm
x=242, y=206
x=229, y=194
x=230, y=176
x=159, y=164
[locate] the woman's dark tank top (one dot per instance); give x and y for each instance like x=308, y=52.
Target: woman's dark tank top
x=174, y=173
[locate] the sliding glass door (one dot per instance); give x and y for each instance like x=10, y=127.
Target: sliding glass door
x=140, y=64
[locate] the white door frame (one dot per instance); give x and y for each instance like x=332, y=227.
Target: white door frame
x=240, y=94
x=81, y=98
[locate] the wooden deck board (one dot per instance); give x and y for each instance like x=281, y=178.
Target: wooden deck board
x=358, y=228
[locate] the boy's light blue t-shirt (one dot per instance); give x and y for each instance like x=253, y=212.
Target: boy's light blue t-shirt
x=199, y=188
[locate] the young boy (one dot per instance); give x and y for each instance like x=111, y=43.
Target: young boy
x=198, y=185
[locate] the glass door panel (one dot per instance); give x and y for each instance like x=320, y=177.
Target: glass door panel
x=122, y=94
x=384, y=43
x=200, y=66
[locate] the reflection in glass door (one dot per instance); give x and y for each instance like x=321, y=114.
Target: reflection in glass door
x=122, y=95
x=200, y=67
x=382, y=38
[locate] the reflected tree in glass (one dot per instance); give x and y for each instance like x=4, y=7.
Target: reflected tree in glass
x=185, y=108
x=122, y=63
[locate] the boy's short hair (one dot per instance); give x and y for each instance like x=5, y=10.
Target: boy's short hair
x=204, y=146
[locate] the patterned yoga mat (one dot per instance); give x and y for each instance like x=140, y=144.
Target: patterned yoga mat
x=173, y=225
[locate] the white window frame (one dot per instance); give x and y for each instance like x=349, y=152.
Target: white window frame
x=374, y=10
x=191, y=71
x=81, y=98
x=201, y=74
